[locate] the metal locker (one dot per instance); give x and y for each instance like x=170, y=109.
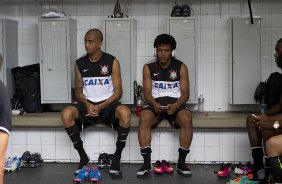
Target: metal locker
x=8, y=51
x=120, y=41
x=184, y=31
x=245, y=67
x=55, y=56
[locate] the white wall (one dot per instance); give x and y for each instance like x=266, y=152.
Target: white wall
x=151, y=18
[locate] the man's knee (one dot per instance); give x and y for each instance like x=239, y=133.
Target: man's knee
x=184, y=119
x=145, y=119
x=271, y=143
x=124, y=115
x=68, y=115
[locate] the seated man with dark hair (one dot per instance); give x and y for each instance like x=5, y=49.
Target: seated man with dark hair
x=261, y=125
x=166, y=90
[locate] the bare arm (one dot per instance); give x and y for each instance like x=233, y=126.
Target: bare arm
x=147, y=87
x=3, y=147
x=79, y=87
x=184, y=89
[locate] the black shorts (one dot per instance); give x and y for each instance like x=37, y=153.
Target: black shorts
x=106, y=115
x=161, y=116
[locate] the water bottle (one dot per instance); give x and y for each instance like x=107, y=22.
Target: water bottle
x=201, y=101
x=139, y=106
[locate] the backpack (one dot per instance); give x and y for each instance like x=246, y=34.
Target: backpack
x=273, y=90
x=27, y=87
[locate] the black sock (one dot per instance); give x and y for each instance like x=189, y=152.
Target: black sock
x=74, y=135
x=120, y=144
x=257, y=154
x=146, y=153
x=182, y=157
x=276, y=168
x=121, y=140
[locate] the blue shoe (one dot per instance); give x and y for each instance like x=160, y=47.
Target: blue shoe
x=94, y=175
x=82, y=176
x=12, y=164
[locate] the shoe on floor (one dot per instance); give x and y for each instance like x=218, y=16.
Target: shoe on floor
x=186, y=172
x=158, y=168
x=115, y=174
x=82, y=176
x=167, y=167
x=144, y=171
x=224, y=171
x=94, y=175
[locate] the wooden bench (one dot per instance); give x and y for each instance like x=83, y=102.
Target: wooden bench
x=200, y=120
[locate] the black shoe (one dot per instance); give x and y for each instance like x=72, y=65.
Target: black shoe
x=103, y=161
x=186, y=10
x=183, y=170
x=26, y=159
x=176, y=10
x=115, y=174
x=114, y=171
x=144, y=171
x=34, y=160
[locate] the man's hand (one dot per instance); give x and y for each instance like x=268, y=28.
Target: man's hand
x=261, y=117
x=157, y=107
x=265, y=125
x=92, y=110
x=171, y=108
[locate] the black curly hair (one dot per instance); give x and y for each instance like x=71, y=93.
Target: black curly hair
x=165, y=39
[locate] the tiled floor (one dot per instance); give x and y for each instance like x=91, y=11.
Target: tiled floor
x=62, y=173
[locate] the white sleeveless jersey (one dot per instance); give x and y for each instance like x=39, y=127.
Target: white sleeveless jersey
x=97, y=77
x=165, y=82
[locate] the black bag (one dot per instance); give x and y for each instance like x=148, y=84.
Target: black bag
x=260, y=91
x=27, y=87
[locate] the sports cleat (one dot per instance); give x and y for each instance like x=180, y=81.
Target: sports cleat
x=13, y=164
x=35, y=160
x=184, y=172
x=26, y=159
x=186, y=10
x=167, y=167
x=115, y=174
x=144, y=171
x=158, y=168
x=225, y=169
x=95, y=175
x=176, y=10
x=103, y=161
x=243, y=180
x=81, y=165
x=82, y=176
x=242, y=169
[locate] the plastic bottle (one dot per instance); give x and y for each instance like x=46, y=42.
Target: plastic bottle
x=139, y=106
x=201, y=101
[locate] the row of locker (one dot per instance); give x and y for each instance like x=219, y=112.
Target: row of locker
x=58, y=51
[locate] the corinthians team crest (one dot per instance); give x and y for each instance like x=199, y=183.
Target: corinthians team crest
x=104, y=69
x=173, y=74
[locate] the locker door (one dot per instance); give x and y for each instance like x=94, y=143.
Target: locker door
x=1, y=52
x=118, y=43
x=184, y=33
x=54, y=84
x=246, y=59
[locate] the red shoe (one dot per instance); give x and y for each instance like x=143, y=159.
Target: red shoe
x=224, y=170
x=167, y=167
x=158, y=169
